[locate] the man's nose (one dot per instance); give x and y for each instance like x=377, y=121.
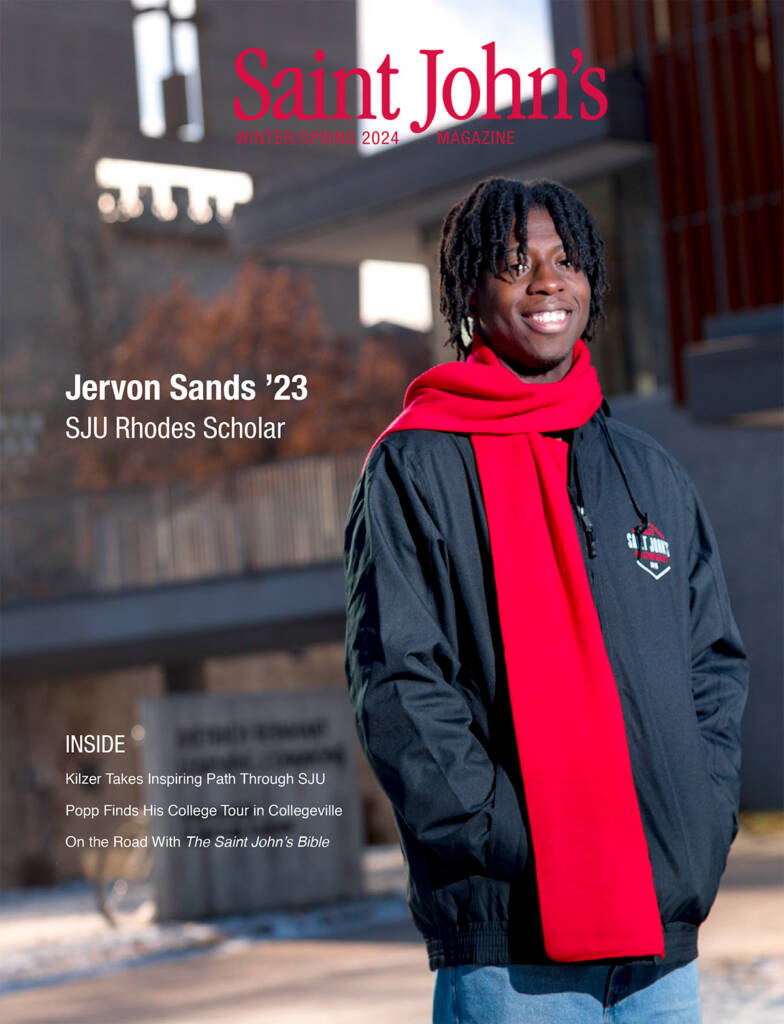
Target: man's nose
x=545, y=278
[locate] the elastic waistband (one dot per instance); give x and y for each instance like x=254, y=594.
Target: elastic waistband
x=492, y=944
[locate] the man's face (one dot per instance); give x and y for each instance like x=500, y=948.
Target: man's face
x=532, y=316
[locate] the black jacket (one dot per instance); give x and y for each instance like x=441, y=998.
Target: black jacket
x=427, y=680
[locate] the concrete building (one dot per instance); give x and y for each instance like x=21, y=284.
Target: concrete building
x=72, y=88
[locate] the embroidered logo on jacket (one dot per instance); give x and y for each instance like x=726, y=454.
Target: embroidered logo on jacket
x=651, y=550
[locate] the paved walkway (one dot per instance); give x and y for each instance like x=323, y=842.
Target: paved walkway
x=376, y=971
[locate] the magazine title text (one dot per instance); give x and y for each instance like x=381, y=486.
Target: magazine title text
x=292, y=93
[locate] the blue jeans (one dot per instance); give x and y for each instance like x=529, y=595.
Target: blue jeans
x=567, y=994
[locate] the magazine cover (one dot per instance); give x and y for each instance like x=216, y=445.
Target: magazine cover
x=391, y=432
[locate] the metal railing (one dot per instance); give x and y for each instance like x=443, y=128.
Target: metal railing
x=280, y=514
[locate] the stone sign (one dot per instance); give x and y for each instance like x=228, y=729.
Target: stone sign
x=252, y=801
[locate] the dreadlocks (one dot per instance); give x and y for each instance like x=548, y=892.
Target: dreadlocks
x=475, y=236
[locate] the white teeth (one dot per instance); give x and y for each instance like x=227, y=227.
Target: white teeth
x=554, y=317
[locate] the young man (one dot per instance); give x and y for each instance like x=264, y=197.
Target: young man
x=547, y=678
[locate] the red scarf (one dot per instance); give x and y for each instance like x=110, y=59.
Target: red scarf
x=593, y=871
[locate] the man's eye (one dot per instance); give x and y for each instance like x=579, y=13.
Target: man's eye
x=566, y=262
x=519, y=268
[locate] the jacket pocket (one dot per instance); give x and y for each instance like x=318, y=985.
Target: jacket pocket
x=706, y=838
x=721, y=831
x=508, y=845
x=684, y=829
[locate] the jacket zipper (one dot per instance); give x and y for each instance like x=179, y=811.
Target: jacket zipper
x=590, y=540
x=589, y=543
x=576, y=495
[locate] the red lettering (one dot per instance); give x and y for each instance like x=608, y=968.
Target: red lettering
x=318, y=78
x=476, y=93
x=594, y=92
x=340, y=77
x=431, y=58
x=386, y=70
x=492, y=76
x=254, y=83
x=538, y=77
x=295, y=92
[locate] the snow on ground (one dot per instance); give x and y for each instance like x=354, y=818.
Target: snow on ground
x=53, y=934
x=743, y=993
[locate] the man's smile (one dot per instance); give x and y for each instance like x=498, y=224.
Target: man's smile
x=548, y=321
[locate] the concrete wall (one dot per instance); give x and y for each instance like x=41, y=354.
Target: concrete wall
x=738, y=473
